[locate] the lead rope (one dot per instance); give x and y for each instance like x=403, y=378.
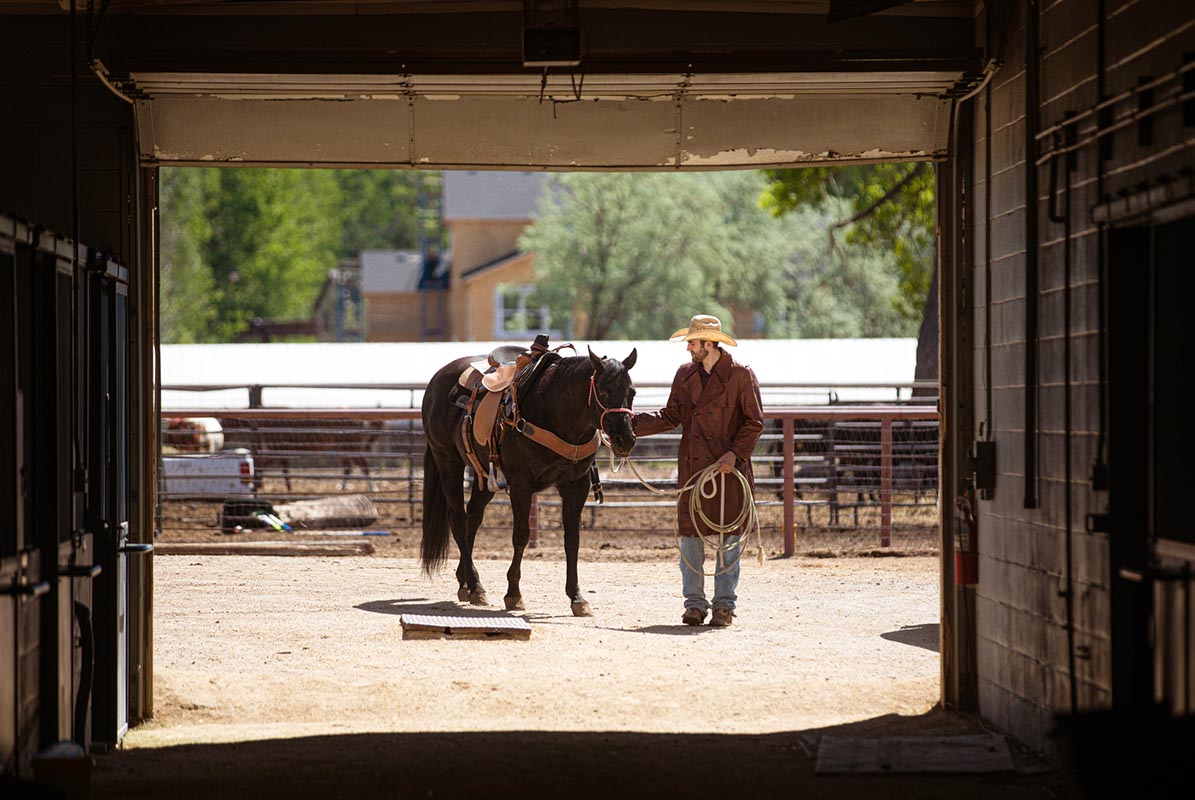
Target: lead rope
x=704, y=485
x=704, y=482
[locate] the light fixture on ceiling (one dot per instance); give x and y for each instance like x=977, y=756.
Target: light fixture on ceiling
x=551, y=33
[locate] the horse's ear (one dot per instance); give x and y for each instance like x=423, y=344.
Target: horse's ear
x=597, y=362
x=629, y=361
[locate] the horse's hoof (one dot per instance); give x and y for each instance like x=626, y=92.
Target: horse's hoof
x=478, y=598
x=515, y=604
x=582, y=609
x=462, y=593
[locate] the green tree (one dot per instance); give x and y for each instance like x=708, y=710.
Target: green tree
x=239, y=244
x=378, y=208
x=836, y=292
x=623, y=252
x=890, y=208
x=186, y=311
x=275, y=235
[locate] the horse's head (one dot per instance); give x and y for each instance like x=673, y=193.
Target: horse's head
x=611, y=399
x=184, y=435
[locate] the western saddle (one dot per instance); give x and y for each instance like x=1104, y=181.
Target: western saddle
x=488, y=391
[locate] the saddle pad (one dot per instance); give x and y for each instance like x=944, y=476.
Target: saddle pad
x=486, y=415
x=469, y=377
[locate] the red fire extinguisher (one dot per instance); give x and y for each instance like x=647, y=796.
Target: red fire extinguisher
x=966, y=544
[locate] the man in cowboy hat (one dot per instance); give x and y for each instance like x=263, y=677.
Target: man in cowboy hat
x=716, y=402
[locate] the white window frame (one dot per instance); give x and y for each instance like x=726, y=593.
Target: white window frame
x=525, y=290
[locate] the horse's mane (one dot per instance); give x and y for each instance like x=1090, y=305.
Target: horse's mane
x=565, y=368
x=545, y=363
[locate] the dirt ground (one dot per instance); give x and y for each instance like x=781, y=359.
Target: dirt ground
x=608, y=532
x=289, y=677
x=245, y=647
x=619, y=531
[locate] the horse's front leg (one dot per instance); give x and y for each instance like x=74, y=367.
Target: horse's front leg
x=520, y=510
x=572, y=498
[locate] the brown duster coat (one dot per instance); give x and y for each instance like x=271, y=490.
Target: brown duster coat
x=724, y=415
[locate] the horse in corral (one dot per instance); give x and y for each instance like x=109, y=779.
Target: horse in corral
x=279, y=444
x=574, y=401
x=193, y=434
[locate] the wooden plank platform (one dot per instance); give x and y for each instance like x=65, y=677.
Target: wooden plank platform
x=347, y=547
x=426, y=626
x=914, y=754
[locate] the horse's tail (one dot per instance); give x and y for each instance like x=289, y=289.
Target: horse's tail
x=433, y=547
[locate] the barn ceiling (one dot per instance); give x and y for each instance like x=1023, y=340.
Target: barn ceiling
x=659, y=84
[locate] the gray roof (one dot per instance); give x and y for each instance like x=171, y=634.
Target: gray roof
x=390, y=270
x=474, y=194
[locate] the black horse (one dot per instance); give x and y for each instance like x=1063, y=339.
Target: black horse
x=570, y=397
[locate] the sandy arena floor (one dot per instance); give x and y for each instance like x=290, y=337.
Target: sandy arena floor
x=260, y=647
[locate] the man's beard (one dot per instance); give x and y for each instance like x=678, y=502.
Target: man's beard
x=699, y=356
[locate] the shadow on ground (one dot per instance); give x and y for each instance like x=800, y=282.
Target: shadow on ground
x=544, y=764
x=925, y=636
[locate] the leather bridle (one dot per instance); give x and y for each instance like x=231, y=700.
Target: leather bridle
x=593, y=398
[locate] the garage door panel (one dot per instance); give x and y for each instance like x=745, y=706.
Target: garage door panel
x=812, y=128
x=488, y=132
x=522, y=132
x=258, y=131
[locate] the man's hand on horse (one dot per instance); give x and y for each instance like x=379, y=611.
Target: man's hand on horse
x=726, y=462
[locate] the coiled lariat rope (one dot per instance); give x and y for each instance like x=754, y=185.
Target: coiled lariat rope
x=705, y=484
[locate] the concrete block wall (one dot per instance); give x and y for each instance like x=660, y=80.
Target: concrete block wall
x=1023, y=648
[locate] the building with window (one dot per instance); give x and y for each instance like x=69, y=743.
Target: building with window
x=484, y=289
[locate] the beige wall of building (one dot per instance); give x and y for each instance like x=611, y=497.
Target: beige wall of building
x=474, y=302
x=477, y=242
x=405, y=316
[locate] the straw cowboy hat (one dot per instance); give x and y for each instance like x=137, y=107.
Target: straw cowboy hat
x=703, y=326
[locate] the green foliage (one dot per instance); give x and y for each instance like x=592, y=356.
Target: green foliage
x=275, y=236
x=186, y=283
x=894, y=209
x=369, y=201
x=844, y=291
x=243, y=243
x=628, y=253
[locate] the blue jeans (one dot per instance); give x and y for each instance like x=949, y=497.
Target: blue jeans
x=693, y=582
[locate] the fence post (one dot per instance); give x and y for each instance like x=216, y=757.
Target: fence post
x=886, y=482
x=412, y=451
x=790, y=531
x=533, y=522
